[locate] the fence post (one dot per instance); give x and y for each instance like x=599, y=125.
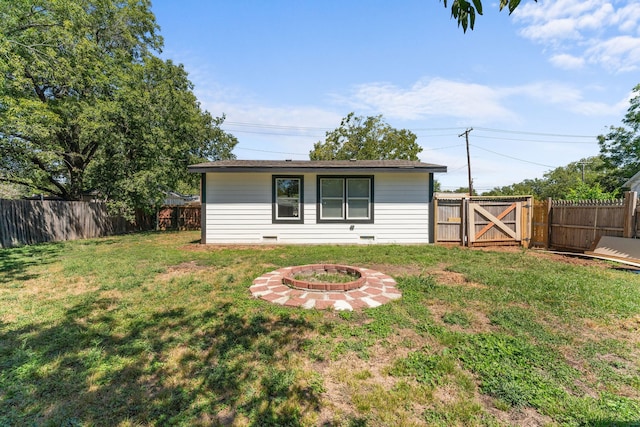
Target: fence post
x=630, y=203
x=465, y=221
x=549, y=221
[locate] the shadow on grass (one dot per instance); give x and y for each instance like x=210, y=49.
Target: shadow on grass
x=169, y=367
x=15, y=262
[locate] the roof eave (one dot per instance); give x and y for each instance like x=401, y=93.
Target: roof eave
x=289, y=169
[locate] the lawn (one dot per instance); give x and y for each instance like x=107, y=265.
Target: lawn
x=155, y=329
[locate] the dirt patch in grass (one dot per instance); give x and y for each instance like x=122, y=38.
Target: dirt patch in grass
x=199, y=247
x=539, y=253
x=455, y=279
x=478, y=322
x=397, y=270
x=516, y=416
x=182, y=268
x=350, y=375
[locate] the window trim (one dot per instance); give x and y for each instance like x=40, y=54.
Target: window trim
x=274, y=200
x=345, y=199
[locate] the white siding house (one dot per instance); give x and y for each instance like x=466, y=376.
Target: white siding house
x=346, y=202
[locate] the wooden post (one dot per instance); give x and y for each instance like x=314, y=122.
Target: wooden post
x=630, y=203
x=549, y=222
x=526, y=223
x=435, y=220
x=466, y=231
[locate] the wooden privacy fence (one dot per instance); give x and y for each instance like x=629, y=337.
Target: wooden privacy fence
x=578, y=225
x=179, y=218
x=483, y=221
x=26, y=222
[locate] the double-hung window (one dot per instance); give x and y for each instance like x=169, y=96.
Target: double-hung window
x=342, y=199
x=287, y=199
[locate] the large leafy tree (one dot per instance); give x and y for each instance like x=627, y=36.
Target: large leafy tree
x=366, y=138
x=86, y=105
x=620, y=147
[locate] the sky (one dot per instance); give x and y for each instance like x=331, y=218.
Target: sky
x=536, y=87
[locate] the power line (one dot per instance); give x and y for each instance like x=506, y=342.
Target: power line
x=535, y=133
x=415, y=130
x=513, y=158
x=442, y=148
x=537, y=140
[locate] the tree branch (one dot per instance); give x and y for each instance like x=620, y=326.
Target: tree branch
x=36, y=87
x=30, y=185
x=63, y=191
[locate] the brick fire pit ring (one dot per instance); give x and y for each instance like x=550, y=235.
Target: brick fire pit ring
x=309, y=270
x=373, y=288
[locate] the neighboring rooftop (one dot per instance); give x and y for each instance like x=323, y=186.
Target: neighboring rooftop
x=320, y=165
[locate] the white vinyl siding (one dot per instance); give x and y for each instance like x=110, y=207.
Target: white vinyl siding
x=239, y=210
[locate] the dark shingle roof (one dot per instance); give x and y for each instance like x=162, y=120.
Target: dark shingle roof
x=315, y=165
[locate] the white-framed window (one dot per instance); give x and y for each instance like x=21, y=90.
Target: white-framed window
x=287, y=199
x=345, y=198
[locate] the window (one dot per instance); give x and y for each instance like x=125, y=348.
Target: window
x=287, y=206
x=345, y=199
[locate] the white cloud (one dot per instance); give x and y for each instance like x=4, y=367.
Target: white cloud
x=598, y=32
x=567, y=62
x=618, y=54
x=568, y=98
x=429, y=98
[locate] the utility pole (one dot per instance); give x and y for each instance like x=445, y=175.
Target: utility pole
x=466, y=134
x=583, y=165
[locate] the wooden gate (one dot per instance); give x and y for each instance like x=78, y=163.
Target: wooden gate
x=483, y=221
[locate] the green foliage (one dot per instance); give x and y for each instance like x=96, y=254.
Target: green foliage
x=85, y=105
x=586, y=192
x=366, y=138
x=508, y=368
x=424, y=367
x=620, y=148
x=461, y=190
x=459, y=318
x=464, y=11
x=577, y=178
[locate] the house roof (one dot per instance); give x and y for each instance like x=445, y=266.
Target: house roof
x=633, y=181
x=315, y=165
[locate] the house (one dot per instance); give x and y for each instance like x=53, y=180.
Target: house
x=357, y=201
x=634, y=183
x=174, y=198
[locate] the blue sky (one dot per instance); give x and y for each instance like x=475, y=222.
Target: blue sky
x=537, y=87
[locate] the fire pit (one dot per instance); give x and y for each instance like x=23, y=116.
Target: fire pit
x=326, y=286
x=324, y=277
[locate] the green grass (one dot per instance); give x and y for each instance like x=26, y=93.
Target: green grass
x=152, y=329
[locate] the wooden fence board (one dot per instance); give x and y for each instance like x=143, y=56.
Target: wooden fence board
x=578, y=225
x=483, y=220
x=27, y=222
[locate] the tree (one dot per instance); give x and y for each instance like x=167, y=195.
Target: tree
x=577, y=178
x=85, y=104
x=367, y=138
x=620, y=148
x=594, y=192
x=461, y=190
x=464, y=11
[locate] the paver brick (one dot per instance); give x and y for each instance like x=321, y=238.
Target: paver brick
x=379, y=289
